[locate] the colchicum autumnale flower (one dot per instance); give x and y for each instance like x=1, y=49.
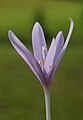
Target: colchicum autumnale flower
x=44, y=63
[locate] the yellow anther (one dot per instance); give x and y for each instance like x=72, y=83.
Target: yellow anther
x=39, y=62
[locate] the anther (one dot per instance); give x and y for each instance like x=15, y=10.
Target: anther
x=39, y=62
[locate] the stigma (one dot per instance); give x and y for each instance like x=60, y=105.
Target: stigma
x=43, y=52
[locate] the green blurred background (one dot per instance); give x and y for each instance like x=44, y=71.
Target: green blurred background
x=21, y=95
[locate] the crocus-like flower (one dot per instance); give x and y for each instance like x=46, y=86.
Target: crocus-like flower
x=44, y=63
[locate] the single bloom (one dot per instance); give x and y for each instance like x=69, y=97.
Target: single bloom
x=44, y=62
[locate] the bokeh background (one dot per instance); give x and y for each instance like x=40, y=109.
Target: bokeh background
x=21, y=95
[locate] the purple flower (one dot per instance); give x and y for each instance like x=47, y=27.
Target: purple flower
x=44, y=63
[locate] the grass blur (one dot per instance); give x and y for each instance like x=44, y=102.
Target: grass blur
x=21, y=96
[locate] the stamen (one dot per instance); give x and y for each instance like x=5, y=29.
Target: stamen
x=39, y=62
x=43, y=52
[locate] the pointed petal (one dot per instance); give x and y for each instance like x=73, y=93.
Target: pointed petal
x=64, y=47
x=26, y=55
x=39, y=44
x=54, y=51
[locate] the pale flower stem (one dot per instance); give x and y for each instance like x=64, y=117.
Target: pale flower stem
x=47, y=104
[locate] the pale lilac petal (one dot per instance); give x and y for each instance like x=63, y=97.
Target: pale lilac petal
x=39, y=44
x=54, y=51
x=26, y=55
x=64, y=48
x=69, y=33
x=57, y=63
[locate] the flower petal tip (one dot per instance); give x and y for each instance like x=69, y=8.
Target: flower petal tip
x=9, y=34
x=71, y=20
x=60, y=33
x=36, y=27
x=36, y=24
